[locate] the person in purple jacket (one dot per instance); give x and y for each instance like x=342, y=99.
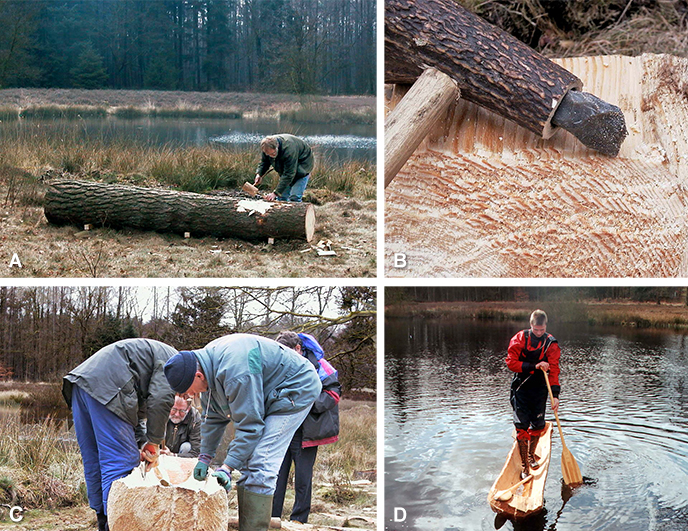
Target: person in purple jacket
x=320, y=427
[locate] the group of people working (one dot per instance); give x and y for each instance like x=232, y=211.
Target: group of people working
x=281, y=395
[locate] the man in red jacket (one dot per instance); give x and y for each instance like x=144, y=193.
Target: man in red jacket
x=529, y=351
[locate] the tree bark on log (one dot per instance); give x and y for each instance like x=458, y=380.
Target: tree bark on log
x=411, y=120
x=117, y=206
x=492, y=68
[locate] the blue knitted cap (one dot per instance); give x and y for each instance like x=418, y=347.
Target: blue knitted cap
x=180, y=371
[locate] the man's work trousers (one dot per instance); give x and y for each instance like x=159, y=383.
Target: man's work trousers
x=304, y=460
x=294, y=193
x=259, y=474
x=108, y=447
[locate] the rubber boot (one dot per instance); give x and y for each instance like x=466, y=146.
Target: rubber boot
x=102, y=522
x=240, y=502
x=255, y=511
x=532, y=459
x=523, y=451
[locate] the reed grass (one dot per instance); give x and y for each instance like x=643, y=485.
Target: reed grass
x=9, y=114
x=634, y=315
x=193, y=168
x=339, y=464
x=321, y=114
x=589, y=27
x=39, y=465
x=175, y=112
x=356, y=449
x=13, y=397
x=43, y=112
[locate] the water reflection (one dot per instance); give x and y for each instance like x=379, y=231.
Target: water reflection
x=448, y=427
x=336, y=142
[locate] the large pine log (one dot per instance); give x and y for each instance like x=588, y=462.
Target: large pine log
x=492, y=68
x=118, y=206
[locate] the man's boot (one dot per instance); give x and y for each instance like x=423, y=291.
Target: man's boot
x=523, y=451
x=255, y=511
x=240, y=502
x=102, y=522
x=532, y=458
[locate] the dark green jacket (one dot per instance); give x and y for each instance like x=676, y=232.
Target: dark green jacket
x=294, y=160
x=127, y=378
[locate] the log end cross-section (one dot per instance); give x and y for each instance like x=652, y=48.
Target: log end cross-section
x=118, y=206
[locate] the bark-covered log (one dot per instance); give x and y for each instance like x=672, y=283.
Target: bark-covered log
x=492, y=68
x=411, y=120
x=118, y=206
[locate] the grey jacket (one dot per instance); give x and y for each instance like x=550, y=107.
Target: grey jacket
x=127, y=378
x=249, y=378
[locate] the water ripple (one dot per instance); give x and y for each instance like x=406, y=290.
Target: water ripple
x=624, y=413
x=338, y=141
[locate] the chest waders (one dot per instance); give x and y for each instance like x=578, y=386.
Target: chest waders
x=528, y=399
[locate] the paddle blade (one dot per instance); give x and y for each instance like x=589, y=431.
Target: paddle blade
x=569, y=468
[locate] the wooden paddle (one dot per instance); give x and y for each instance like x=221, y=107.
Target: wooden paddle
x=569, y=467
x=507, y=494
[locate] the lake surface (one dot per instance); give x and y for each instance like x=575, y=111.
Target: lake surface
x=448, y=423
x=337, y=142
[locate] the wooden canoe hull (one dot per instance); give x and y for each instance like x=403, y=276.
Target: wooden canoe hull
x=529, y=499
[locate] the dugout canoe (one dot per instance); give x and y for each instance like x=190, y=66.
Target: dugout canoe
x=530, y=498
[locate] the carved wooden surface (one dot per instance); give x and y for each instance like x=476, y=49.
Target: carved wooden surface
x=492, y=68
x=142, y=504
x=411, y=121
x=529, y=499
x=482, y=197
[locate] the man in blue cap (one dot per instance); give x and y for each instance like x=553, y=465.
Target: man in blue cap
x=108, y=394
x=267, y=390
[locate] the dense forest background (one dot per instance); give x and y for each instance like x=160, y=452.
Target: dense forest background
x=402, y=295
x=47, y=331
x=293, y=46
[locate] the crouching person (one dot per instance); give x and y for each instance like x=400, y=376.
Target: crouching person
x=267, y=390
x=108, y=394
x=183, y=434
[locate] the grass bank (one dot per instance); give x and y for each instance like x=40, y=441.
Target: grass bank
x=77, y=103
x=40, y=470
x=193, y=169
x=604, y=313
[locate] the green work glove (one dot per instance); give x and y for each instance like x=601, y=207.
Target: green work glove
x=224, y=478
x=201, y=469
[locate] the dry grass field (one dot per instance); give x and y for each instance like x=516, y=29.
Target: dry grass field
x=49, y=251
x=40, y=464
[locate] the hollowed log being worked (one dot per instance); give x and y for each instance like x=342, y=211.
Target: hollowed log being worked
x=138, y=503
x=117, y=206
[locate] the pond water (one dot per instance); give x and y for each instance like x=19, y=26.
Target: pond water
x=336, y=142
x=624, y=413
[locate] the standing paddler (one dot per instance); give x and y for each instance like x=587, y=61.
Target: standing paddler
x=529, y=351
